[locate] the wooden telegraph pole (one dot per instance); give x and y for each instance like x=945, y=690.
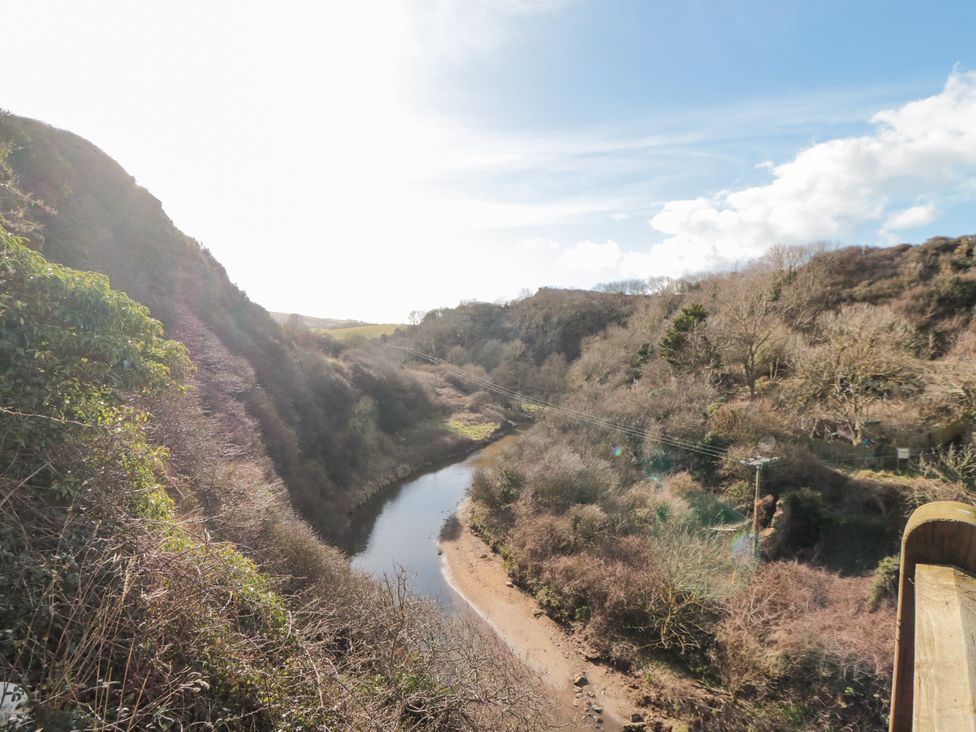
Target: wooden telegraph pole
x=758, y=463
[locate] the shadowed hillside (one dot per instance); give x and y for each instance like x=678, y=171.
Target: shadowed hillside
x=337, y=422
x=152, y=576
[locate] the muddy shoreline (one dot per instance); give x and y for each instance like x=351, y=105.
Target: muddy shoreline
x=477, y=575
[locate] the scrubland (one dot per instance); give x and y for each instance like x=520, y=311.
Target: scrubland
x=164, y=464
x=642, y=545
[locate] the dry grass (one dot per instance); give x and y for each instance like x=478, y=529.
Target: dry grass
x=476, y=431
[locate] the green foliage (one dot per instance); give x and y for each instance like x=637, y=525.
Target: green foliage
x=955, y=464
x=70, y=347
x=807, y=517
x=643, y=356
x=684, y=345
x=495, y=489
x=710, y=511
x=71, y=350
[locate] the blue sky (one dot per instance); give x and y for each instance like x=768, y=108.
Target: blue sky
x=367, y=159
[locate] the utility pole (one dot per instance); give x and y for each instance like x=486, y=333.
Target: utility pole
x=758, y=463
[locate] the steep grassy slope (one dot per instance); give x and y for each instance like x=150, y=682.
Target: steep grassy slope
x=336, y=422
x=127, y=606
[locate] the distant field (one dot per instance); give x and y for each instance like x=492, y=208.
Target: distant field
x=341, y=328
x=309, y=322
x=369, y=331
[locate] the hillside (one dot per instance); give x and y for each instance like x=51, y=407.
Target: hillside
x=315, y=323
x=151, y=577
x=338, y=423
x=624, y=509
x=155, y=569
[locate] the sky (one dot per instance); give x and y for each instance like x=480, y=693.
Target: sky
x=368, y=158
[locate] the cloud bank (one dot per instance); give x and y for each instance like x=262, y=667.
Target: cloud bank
x=919, y=159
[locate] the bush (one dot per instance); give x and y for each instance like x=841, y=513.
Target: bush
x=884, y=586
x=800, y=636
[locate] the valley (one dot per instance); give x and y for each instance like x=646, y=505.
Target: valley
x=160, y=430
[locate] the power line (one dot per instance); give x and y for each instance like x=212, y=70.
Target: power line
x=676, y=442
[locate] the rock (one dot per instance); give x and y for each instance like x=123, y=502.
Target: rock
x=598, y=709
x=484, y=556
x=510, y=584
x=636, y=717
x=538, y=613
x=580, y=680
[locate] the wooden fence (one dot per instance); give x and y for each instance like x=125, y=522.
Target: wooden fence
x=934, y=685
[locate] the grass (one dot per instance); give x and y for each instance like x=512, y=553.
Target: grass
x=368, y=331
x=476, y=432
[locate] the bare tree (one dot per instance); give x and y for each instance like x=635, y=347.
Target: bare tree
x=746, y=323
x=861, y=354
x=800, y=282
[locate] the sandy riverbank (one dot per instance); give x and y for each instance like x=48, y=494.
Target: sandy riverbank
x=478, y=576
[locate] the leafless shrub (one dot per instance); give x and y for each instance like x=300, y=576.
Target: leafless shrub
x=804, y=633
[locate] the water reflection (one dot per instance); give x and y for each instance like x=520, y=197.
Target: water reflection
x=398, y=529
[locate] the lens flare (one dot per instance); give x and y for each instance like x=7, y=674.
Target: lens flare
x=741, y=546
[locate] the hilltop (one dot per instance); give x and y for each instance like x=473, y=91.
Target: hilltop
x=314, y=323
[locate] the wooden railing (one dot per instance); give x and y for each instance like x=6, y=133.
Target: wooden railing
x=934, y=685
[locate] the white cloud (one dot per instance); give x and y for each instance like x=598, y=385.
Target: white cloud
x=540, y=244
x=833, y=190
x=447, y=29
x=590, y=257
x=908, y=218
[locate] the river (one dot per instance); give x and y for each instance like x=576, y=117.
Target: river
x=398, y=529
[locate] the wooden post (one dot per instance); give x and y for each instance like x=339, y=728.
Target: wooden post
x=940, y=533
x=755, y=515
x=945, y=649
x=757, y=463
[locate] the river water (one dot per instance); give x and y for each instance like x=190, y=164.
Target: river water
x=397, y=530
